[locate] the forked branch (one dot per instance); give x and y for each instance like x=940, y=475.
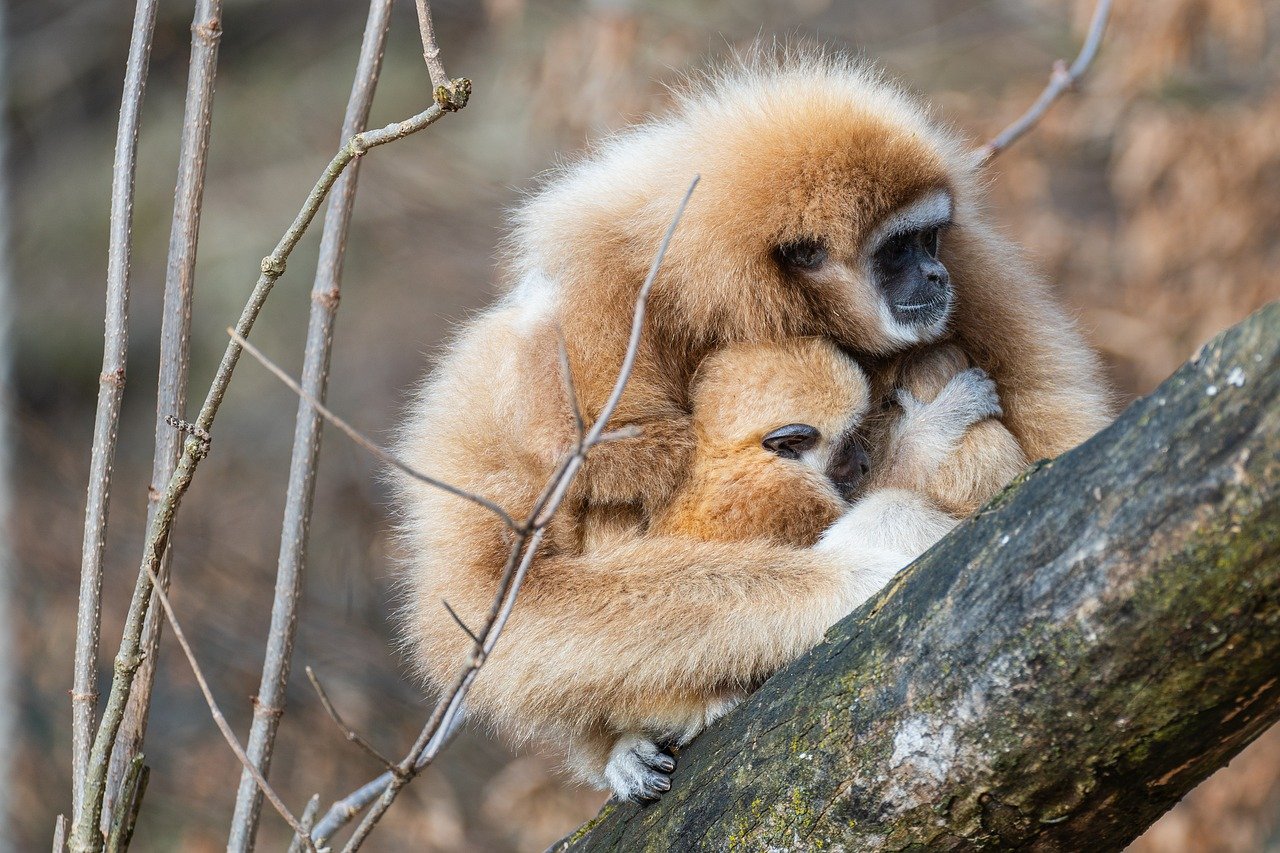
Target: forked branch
x=1062, y=79
x=85, y=836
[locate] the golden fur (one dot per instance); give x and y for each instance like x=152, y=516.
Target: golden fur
x=736, y=490
x=618, y=627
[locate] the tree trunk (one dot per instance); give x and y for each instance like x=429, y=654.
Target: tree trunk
x=1053, y=676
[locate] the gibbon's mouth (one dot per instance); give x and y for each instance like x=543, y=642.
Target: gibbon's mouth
x=926, y=313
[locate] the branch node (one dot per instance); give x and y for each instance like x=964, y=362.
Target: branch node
x=272, y=266
x=208, y=32
x=197, y=432
x=266, y=710
x=454, y=96
x=113, y=378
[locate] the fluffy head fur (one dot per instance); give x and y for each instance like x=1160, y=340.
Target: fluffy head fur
x=803, y=148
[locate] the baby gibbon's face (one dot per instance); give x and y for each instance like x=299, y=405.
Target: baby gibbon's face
x=842, y=459
x=795, y=404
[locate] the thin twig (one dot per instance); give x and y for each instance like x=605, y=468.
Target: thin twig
x=566, y=379
x=349, y=733
x=175, y=346
x=128, y=657
x=363, y=440
x=60, y=834
x=111, y=380
x=299, y=842
x=1062, y=79
x=431, y=50
x=466, y=629
x=270, y=701
x=223, y=726
x=434, y=734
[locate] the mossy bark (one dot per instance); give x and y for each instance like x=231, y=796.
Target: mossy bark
x=1053, y=676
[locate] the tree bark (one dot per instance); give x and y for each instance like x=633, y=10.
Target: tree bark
x=1053, y=676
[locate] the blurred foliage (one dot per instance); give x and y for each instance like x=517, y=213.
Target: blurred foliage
x=1153, y=200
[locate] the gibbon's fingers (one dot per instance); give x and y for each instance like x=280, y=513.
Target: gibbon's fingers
x=638, y=770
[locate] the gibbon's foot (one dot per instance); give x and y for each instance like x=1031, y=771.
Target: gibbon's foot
x=638, y=769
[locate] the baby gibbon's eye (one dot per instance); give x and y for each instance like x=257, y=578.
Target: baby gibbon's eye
x=803, y=254
x=791, y=440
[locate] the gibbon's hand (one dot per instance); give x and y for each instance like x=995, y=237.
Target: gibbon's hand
x=927, y=433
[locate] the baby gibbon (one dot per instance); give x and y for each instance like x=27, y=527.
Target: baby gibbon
x=831, y=205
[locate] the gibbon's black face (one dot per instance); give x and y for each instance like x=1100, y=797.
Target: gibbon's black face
x=902, y=260
x=847, y=466
x=915, y=284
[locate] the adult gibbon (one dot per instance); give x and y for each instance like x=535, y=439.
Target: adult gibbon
x=831, y=205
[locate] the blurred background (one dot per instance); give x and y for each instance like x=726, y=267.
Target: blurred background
x=1153, y=200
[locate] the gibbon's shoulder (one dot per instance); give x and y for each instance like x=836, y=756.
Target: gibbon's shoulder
x=734, y=123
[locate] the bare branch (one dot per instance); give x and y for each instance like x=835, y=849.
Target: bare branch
x=125, y=818
x=349, y=733
x=60, y=834
x=571, y=393
x=300, y=494
x=175, y=345
x=110, y=394
x=1062, y=79
x=435, y=733
x=637, y=322
x=216, y=712
x=359, y=437
x=299, y=842
x=431, y=50
x=128, y=658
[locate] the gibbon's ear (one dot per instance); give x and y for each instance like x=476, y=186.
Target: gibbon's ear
x=791, y=440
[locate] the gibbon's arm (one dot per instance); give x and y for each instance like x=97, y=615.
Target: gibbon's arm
x=608, y=637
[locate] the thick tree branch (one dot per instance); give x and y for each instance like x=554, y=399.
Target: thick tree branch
x=1053, y=676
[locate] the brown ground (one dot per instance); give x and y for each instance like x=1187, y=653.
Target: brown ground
x=1154, y=200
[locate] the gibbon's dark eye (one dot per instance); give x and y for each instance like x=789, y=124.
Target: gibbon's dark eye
x=929, y=240
x=791, y=440
x=897, y=251
x=803, y=254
